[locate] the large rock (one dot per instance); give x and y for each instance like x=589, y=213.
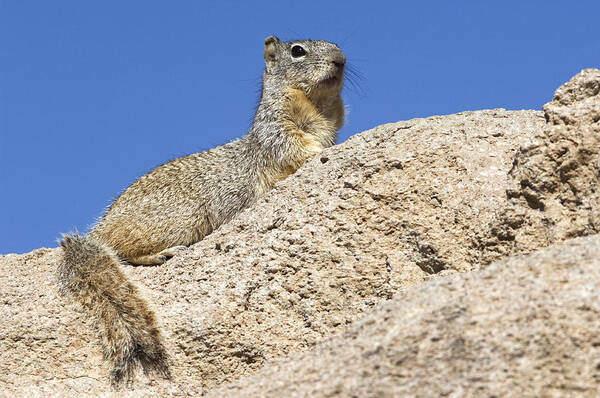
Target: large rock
x=554, y=184
x=523, y=327
x=388, y=209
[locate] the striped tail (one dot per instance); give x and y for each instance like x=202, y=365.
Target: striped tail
x=90, y=273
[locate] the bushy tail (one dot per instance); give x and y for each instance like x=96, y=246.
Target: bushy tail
x=90, y=272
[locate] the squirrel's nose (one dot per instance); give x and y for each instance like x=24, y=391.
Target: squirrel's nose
x=339, y=60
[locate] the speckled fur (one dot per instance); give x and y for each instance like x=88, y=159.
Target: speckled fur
x=182, y=201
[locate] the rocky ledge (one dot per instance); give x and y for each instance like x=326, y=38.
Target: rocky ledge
x=438, y=256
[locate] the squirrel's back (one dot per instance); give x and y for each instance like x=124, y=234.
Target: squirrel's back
x=179, y=202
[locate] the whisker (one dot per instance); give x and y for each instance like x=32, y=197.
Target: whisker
x=353, y=77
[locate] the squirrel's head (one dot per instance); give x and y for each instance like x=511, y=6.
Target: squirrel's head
x=310, y=65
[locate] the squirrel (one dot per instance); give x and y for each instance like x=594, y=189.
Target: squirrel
x=179, y=203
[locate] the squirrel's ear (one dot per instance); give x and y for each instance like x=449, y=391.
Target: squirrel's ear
x=271, y=44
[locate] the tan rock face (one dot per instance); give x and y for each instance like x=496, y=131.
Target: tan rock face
x=523, y=327
x=554, y=191
x=388, y=210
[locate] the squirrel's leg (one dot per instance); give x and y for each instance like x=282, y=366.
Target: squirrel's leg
x=157, y=258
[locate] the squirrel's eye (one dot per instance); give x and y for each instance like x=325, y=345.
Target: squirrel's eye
x=298, y=51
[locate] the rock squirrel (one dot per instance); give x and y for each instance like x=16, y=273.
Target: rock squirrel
x=182, y=201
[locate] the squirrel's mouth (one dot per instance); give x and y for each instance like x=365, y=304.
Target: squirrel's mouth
x=335, y=75
x=330, y=81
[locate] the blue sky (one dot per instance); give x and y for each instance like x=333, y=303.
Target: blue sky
x=95, y=94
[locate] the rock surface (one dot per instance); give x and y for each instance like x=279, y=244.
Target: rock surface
x=522, y=327
x=554, y=192
x=389, y=209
